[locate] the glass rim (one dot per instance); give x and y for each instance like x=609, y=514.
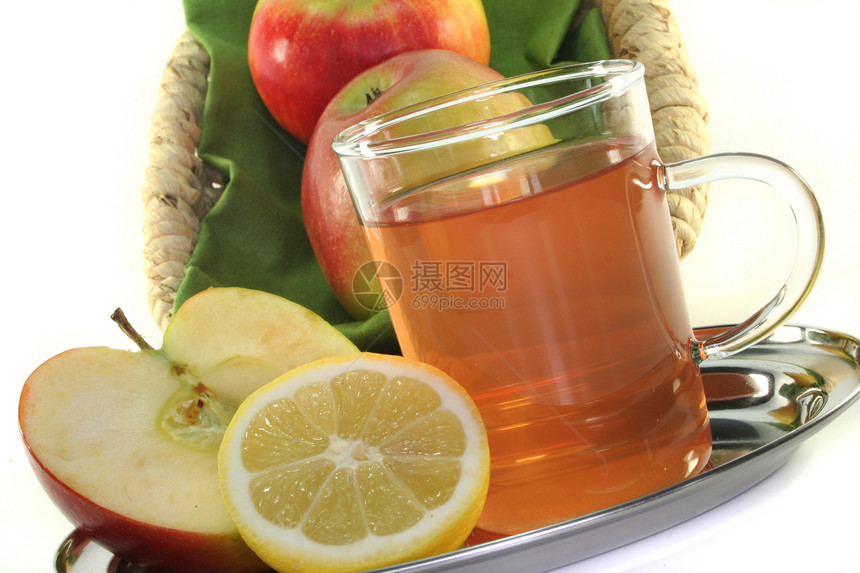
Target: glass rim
x=357, y=141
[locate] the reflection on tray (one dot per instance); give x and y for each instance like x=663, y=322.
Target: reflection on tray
x=767, y=392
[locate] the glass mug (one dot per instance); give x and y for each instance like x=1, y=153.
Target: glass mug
x=532, y=258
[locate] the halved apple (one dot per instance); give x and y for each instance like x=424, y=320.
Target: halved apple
x=126, y=443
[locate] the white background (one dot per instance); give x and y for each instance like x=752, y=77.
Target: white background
x=79, y=86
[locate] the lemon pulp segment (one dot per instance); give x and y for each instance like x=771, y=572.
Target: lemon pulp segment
x=362, y=454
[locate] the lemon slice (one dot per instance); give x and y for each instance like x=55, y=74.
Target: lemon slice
x=353, y=463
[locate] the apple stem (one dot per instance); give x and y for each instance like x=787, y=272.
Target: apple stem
x=122, y=321
x=375, y=92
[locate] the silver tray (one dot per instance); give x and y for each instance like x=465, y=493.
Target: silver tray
x=764, y=403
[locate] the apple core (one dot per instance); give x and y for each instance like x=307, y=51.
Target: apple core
x=194, y=417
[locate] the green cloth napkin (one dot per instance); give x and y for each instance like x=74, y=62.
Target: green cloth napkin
x=254, y=236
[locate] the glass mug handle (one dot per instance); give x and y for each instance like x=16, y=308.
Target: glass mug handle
x=810, y=239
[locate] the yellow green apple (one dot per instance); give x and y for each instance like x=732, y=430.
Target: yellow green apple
x=330, y=218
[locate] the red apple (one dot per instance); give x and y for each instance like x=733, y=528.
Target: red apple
x=126, y=443
x=330, y=219
x=302, y=52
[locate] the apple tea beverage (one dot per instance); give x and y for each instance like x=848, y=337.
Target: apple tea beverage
x=592, y=389
x=538, y=266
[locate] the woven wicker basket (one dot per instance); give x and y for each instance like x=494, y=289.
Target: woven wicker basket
x=179, y=189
